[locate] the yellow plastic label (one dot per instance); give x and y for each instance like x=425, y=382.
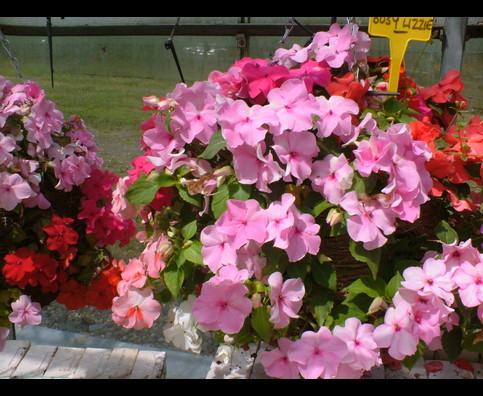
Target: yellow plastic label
x=399, y=31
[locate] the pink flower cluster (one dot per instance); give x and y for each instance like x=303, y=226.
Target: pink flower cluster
x=426, y=302
x=31, y=132
x=423, y=307
x=135, y=306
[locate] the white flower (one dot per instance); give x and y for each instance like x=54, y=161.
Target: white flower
x=182, y=330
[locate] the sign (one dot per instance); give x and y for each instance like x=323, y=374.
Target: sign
x=399, y=31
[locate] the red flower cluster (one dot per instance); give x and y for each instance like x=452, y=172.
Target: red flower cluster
x=99, y=293
x=26, y=267
x=61, y=236
x=96, y=209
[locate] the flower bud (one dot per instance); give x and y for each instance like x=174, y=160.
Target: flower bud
x=334, y=216
x=256, y=300
x=376, y=305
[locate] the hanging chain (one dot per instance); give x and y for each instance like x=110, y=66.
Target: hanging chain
x=13, y=59
x=288, y=28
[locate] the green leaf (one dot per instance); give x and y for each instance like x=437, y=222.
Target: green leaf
x=405, y=118
x=261, y=324
x=394, y=284
x=189, y=230
x=392, y=106
x=173, y=278
x=142, y=192
x=445, y=232
x=193, y=253
x=321, y=307
x=297, y=269
x=238, y=191
x=195, y=200
x=162, y=179
x=218, y=201
x=364, y=185
x=372, y=287
x=451, y=342
x=324, y=274
x=217, y=143
x=371, y=257
x=321, y=206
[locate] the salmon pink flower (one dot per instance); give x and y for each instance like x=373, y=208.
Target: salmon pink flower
x=25, y=312
x=136, y=309
x=286, y=299
x=276, y=362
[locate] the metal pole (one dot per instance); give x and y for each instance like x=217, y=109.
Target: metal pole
x=51, y=55
x=453, y=44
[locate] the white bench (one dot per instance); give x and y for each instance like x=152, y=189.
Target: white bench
x=21, y=359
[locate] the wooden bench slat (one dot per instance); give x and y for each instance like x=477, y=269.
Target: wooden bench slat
x=11, y=356
x=64, y=363
x=35, y=361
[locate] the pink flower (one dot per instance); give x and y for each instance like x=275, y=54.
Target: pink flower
x=222, y=305
x=302, y=237
x=276, y=362
x=280, y=220
x=469, y=279
x=120, y=205
x=154, y=255
x=317, y=354
x=25, y=312
x=7, y=145
x=312, y=73
x=294, y=107
x=133, y=275
x=296, y=150
x=13, y=189
x=362, y=350
x=216, y=249
x=396, y=333
x=333, y=46
x=335, y=116
x=286, y=299
x=331, y=177
x=241, y=123
x=432, y=278
x=4, y=332
x=135, y=309
x=374, y=155
x=43, y=119
x=456, y=254
x=369, y=220
x=243, y=221
x=291, y=57
x=194, y=116
x=253, y=167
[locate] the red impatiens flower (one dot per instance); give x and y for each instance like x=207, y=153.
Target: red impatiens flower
x=60, y=234
x=18, y=266
x=72, y=295
x=451, y=84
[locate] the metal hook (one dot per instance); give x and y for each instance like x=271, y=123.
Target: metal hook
x=170, y=45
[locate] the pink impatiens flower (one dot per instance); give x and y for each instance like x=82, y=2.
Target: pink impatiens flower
x=25, y=312
x=243, y=221
x=302, y=237
x=216, y=249
x=362, y=350
x=431, y=277
x=222, y=305
x=396, y=333
x=469, y=278
x=13, y=189
x=7, y=145
x=296, y=150
x=286, y=299
x=318, y=354
x=331, y=177
x=335, y=116
x=135, y=309
x=276, y=362
x=294, y=107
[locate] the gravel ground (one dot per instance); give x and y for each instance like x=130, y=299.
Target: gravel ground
x=96, y=323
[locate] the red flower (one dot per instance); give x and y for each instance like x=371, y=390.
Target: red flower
x=72, y=295
x=101, y=292
x=442, y=92
x=60, y=235
x=18, y=266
